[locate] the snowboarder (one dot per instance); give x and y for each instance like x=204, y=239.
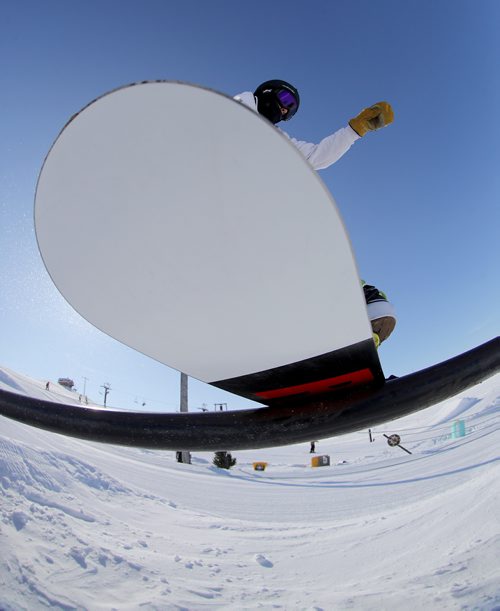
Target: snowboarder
x=277, y=100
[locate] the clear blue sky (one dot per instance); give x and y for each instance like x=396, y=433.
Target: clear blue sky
x=421, y=199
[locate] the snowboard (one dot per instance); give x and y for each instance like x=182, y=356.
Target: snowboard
x=186, y=226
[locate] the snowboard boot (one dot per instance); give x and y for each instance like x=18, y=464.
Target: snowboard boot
x=380, y=312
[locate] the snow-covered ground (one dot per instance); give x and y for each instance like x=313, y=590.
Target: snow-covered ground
x=91, y=526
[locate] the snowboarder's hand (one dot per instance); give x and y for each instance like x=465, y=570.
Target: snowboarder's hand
x=376, y=116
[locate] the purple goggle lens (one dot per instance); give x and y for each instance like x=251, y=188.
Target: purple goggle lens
x=289, y=101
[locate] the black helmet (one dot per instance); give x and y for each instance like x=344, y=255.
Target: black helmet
x=274, y=95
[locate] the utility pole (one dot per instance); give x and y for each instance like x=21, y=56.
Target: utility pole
x=184, y=455
x=85, y=380
x=184, y=393
x=107, y=388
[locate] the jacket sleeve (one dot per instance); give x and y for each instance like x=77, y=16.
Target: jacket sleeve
x=329, y=150
x=247, y=98
x=320, y=155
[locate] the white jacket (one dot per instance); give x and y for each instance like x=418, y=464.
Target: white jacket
x=321, y=155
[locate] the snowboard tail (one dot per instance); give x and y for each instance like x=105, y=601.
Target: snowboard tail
x=339, y=370
x=215, y=237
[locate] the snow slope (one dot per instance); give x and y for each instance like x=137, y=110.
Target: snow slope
x=91, y=526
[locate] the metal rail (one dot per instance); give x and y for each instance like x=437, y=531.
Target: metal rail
x=287, y=422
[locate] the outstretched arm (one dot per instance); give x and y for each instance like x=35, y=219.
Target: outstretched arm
x=329, y=150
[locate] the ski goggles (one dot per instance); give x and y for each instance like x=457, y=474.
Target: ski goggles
x=287, y=100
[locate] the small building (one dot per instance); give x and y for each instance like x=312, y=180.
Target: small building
x=66, y=382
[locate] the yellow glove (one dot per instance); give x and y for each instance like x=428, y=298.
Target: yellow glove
x=377, y=116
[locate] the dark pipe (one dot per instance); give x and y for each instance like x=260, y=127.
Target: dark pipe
x=280, y=424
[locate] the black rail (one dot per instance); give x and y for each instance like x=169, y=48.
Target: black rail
x=284, y=423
